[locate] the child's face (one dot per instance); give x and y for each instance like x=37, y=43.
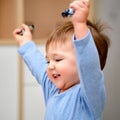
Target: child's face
x=62, y=67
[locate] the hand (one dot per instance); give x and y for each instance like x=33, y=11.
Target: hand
x=22, y=39
x=79, y=18
x=81, y=8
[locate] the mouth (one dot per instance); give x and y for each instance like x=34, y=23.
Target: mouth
x=56, y=76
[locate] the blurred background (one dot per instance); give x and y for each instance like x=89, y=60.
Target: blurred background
x=21, y=98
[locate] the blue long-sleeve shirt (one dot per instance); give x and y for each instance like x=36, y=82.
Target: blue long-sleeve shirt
x=84, y=101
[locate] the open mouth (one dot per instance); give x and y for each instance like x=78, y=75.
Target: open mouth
x=56, y=75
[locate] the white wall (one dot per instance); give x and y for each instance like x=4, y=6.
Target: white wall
x=34, y=107
x=33, y=101
x=109, y=11
x=8, y=83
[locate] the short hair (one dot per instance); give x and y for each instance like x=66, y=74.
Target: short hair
x=63, y=30
x=60, y=33
x=102, y=41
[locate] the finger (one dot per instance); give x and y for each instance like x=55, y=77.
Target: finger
x=87, y=0
x=80, y=3
x=74, y=5
x=17, y=31
x=25, y=27
x=86, y=3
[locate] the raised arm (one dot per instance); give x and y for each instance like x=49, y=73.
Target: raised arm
x=31, y=55
x=79, y=18
x=90, y=74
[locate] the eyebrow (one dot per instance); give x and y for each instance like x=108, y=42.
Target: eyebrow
x=55, y=55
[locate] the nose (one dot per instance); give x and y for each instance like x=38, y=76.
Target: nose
x=51, y=66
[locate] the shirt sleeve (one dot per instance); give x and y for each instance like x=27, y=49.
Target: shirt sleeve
x=90, y=74
x=34, y=60
x=37, y=65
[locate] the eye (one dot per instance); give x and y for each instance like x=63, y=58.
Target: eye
x=58, y=60
x=48, y=62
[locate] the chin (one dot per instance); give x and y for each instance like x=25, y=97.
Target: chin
x=60, y=86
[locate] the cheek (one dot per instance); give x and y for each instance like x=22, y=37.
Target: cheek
x=72, y=68
x=69, y=64
x=68, y=68
x=63, y=67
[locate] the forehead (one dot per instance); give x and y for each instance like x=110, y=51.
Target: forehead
x=66, y=45
x=59, y=42
x=65, y=50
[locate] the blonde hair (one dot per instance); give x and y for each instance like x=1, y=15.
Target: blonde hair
x=64, y=30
